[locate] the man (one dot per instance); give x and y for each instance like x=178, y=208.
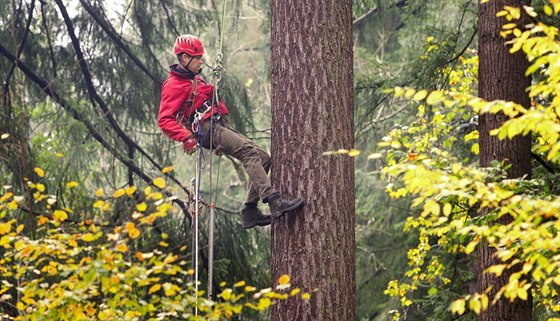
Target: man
x=186, y=97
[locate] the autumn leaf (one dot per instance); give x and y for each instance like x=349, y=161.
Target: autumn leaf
x=458, y=306
x=118, y=193
x=154, y=288
x=5, y=228
x=141, y=207
x=130, y=190
x=88, y=237
x=284, y=279
x=159, y=182
x=60, y=216
x=71, y=184
x=39, y=172
x=99, y=192
x=133, y=232
x=122, y=248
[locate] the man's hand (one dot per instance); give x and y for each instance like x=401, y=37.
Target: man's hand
x=189, y=145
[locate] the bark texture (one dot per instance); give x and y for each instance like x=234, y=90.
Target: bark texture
x=501, y=76
x=312, y=112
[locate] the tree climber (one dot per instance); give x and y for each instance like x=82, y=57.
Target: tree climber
x=185, y=95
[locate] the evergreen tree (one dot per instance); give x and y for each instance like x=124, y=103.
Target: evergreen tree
x=312, y=113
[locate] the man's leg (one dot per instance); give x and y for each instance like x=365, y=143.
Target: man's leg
x=255, y=160
x=256, y=163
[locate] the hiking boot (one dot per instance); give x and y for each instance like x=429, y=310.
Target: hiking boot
x=279, y=206
x=251, y=216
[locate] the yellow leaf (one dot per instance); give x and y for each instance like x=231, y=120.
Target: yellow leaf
x=39, y=172
x=306, y=296
x=474, y=305
x=284, y=279
x=159, y=182
x=295, y=292
x=375, y=156
x=122, y=248
x=40, y=187
x=249, y=288
x=71, y=184
x=133, y=232
x=5, y=228
x=141, y=207
x=458, y=306
x=99, y=192
x=156, y=287
x=60, y=216
x=98, y=204
x=238, y=284
x=131, y=314
x=106, y=206
x=471, y=247
x=130, y=190
x=118, y=193
x=13, y=205
x=20, y=228
x=263, y=303
x=226, y=294
x=353, y=152
x=163, y=244
x=167, y=169
x=42, y=220
x=434, y=97
x=88, y=237
x=497, y=269
x=420, y=95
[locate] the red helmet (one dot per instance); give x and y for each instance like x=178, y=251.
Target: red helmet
x=188, y=44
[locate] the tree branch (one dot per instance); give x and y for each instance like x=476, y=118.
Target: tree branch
x=49, y=41
x=398, y=4
x=118, y=41
x=20, y=49
x=132, y=145
x=46, y=87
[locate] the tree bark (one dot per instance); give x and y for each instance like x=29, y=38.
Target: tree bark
x=501, y=76
x=312, y=112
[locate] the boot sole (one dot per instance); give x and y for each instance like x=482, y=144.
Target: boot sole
x=254, y=224
x=291, y=208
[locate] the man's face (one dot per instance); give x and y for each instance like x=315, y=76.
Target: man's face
x=195, y=64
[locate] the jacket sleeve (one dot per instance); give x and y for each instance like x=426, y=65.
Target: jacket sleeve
x=173, y=96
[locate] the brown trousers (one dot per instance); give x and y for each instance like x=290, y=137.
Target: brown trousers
x=255, y=160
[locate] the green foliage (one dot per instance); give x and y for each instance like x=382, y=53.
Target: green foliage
x=76, y=267
x=447, y=187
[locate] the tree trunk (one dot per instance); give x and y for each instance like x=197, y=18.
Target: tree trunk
x=501, y=76
x=312, y=112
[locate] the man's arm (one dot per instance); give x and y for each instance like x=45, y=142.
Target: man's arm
x=172, y=98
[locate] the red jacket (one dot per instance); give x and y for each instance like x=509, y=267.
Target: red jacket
x=177, y=98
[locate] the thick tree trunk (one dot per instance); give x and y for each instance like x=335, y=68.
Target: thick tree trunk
x=312, y=112
x=501, y=76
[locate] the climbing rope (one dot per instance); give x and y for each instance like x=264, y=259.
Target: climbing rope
x=217, y=71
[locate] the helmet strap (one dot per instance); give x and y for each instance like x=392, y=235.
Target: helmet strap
x=188, y=63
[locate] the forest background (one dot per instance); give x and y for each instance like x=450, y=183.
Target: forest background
x=79, y=128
